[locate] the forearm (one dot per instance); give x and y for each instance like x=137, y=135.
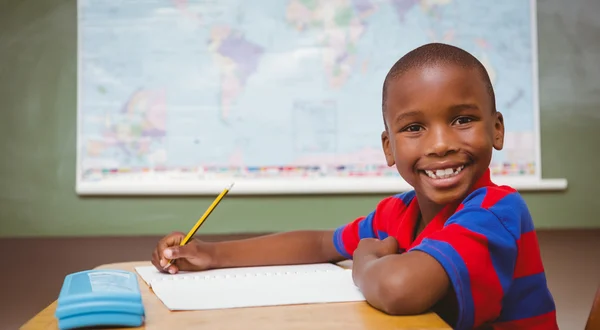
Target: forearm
x=401, y=284
x=372, y=276
x=296, y=247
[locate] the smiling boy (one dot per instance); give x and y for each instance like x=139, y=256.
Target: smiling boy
x=457, y=244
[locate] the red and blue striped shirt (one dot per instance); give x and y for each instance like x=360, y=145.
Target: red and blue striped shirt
x=487, y=245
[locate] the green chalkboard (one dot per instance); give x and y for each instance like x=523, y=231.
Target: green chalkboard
x=38, y=85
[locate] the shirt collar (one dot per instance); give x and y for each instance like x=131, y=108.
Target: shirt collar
x=409, y=221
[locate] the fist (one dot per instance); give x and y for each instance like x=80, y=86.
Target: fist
x=368, y=250
x=376, y=247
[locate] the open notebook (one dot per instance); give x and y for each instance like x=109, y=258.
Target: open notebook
x=252, y=286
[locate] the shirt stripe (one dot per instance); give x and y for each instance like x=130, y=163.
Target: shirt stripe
x=365, y=227
x=406, y=197
x=542, y=322
x=339, y=244
x=528, y=262
x=529, y=297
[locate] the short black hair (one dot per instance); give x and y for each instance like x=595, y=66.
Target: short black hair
x=434, y=53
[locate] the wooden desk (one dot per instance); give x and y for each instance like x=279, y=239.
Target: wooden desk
x=319, y=316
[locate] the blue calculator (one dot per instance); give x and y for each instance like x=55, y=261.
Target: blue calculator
x=100, y=298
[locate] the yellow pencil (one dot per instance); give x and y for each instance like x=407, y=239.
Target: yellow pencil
x=202, y=219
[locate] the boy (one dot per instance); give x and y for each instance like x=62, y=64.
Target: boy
x=457, y=244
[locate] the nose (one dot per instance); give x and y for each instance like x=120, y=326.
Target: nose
x=440, y=141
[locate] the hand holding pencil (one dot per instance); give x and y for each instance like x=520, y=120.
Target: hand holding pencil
x=179, y=252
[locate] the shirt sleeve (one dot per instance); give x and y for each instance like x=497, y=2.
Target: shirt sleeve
x=478, y=250
x=374, y=225
x=346, y=237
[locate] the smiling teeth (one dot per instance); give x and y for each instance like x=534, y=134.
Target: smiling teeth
x=445, y=173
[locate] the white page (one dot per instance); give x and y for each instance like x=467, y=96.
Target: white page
x=253, y=286
x=150, y=274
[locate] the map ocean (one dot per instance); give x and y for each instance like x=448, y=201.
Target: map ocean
x=285, y=88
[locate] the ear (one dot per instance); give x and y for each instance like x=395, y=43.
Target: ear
x=387, y=148
x=498, y=131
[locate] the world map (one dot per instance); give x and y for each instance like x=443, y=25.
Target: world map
x=285, y=89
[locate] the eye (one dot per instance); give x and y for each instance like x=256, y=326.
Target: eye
x=463, y=120
x=412, y=128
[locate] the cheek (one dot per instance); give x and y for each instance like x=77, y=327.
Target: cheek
x=406, y=153
x=478, y=139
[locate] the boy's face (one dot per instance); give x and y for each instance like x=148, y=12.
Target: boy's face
x=441, y=130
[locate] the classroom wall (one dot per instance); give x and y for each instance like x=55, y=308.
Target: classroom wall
x=38, y=133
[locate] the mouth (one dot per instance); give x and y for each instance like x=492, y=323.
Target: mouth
x=444, y=173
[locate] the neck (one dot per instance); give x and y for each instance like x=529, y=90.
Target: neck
x=428, y=211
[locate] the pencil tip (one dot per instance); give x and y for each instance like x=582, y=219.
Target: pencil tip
x=231, y=186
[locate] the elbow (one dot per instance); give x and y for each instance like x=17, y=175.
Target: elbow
x=399, y=297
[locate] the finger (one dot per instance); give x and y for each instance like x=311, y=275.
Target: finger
x=390, y=240
x=366, y=241
x=164, y=267
x=177, y=252
x=170, y=253
x=170, y=240
x=166, y=262
x=391, y=243
x=160, y=260
x=172, y=269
